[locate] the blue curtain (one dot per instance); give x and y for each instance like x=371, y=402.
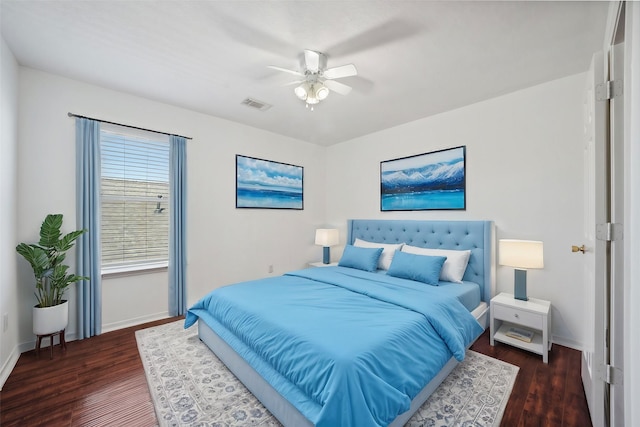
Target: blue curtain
x=89, y=292
x=177, y=226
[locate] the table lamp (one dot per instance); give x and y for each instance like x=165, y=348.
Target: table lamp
x=326, y=237
x=523, y=255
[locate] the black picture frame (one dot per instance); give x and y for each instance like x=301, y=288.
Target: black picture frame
x=428, y=181
x=267, y=184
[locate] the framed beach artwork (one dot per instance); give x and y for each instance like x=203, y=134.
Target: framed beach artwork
x=265, y=184
x=429, y=181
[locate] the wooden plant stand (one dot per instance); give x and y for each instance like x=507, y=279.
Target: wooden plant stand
x=63, y=344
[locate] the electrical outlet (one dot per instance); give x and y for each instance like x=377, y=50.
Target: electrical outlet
x=270, y=269
x=5, y=322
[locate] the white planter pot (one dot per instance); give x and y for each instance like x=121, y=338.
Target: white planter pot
x=49, y=320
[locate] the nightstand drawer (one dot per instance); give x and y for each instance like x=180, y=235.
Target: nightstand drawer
x=515, y=315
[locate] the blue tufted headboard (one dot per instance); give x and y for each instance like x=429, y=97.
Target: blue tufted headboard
x=478, y=236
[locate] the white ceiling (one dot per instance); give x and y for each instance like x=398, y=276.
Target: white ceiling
x=414, y=58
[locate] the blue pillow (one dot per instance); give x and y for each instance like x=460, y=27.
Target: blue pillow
x=422, y=268
x=361, y=258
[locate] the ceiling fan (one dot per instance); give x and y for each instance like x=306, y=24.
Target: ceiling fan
x=317, y=80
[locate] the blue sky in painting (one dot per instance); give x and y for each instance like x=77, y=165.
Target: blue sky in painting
x=262, y=174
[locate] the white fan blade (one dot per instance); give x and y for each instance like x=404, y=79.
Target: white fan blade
x=337, y=87
x=296, y=73
x=295, y=82
x=339, y=72
x=312, y=60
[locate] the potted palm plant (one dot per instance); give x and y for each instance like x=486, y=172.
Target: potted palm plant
x=52, y=278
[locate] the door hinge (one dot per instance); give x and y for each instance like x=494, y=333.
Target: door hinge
x=609, y=90
x=609, y=374
x=609, y=231
x=613, y=376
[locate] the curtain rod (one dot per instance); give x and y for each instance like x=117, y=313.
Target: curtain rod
x=128, y=126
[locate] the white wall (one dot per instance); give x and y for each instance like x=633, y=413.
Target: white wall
x=524, y=171
x=8, y=200
x=224, y=244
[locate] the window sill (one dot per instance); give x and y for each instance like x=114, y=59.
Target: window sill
x=132, y=270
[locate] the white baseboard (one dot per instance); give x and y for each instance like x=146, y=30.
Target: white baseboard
x=565, y=342
x=12, y=360
x=134, y=322
x=9, y=365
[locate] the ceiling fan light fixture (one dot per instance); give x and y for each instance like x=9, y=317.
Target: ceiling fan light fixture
x=318, y=80
x=311, y=97
x=316, y=92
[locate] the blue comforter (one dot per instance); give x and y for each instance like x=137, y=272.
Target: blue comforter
x=345, y=347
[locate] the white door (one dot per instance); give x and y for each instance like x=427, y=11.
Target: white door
x=595, y=266
x=616, y=292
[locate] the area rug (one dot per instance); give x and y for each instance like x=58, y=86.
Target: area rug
x=191, y=387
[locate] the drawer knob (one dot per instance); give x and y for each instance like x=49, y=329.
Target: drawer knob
x=517, y=315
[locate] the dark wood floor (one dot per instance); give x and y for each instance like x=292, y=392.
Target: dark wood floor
x=544, y=394
x=100, y=381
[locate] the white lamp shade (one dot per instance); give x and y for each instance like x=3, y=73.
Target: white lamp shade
x=327, y=237
x=520, y=253
x=301, y=92
x=322, y=92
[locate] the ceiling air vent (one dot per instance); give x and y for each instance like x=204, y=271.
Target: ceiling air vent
x=253, y=103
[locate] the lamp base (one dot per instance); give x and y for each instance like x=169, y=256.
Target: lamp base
x=326, y=258
x=520, y=285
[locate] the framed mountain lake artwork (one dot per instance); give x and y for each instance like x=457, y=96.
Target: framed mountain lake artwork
x=430, y=181
x=265, y=184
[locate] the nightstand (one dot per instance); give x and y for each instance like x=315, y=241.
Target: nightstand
x=533, y=315
x=320, y=264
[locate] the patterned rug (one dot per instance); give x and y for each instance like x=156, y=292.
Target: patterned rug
x=190, y=386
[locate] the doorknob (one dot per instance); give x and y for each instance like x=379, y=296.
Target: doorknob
x=578, y=249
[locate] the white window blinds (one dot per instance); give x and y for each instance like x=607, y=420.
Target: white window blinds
x=134, y=198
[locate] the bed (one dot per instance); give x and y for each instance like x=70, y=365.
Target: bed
x=341, y=346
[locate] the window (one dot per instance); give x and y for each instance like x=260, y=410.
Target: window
x=134, y=199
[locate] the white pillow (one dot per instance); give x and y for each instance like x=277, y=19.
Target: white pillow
x=388, y=250
x=453, y=268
